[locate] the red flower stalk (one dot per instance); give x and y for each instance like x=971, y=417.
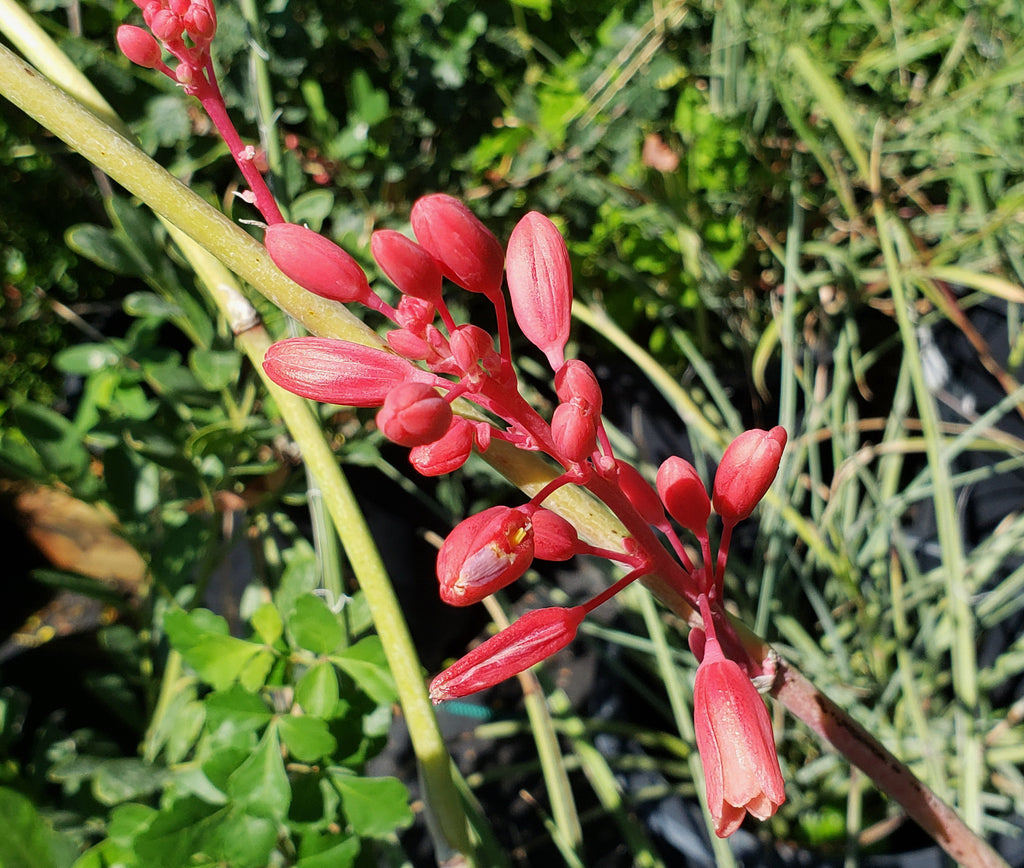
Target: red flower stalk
x=540, y=285
x=747, y=471
x=735, y=740
x=534, y=637
x=484, y=553
x=414, y=414
x=340, y=372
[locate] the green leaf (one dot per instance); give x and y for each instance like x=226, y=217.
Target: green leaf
x=366, y=664
x=260, y=785
x=266, y=621
x=307, y=738
x=314, y=626
x=27, y=840
x=238, y=708
x=200, y=636
x=124, y=778
x=84, y=359
x=300, y=576
x=374, y=807
x=149, y=304
x=317, y=690
x=328, y=851
x=103, y=247
x=54, y=439
x=215, y=369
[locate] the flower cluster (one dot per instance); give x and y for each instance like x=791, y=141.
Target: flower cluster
x=431, y=360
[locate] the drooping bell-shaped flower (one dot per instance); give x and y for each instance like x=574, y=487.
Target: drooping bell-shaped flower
x=735, y=740
x=484, y=553
x=747, y=471
x=339, y=372
x=316, y=263
x=540, y=285
x=468, y=252
x=682, y=491
x=414, y=414
x=534, y=637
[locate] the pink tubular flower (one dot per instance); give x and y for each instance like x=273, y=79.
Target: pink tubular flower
x=684, y=495
x=640, y=493
x=316, y=263
x=734, y=737
x=535, y=636
x=339, y=372
x=411, y=268
x=414, y=414
x=483, y=554
x=747, y=471
x=468, y=252
x=540, y=285
x=447, y=453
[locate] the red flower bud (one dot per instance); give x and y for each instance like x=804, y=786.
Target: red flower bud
x=473, y=349
x=414, y=414
x=684, y=495
x=747, y=471
x=166, y=26
x=483, y=554
x=736, y=744
x=446, y=454
x=535, y=636
x=139, y=46
x=575, y=379
x=574, y=432
x=467, y=251
x=540, y=285
x=411, y=268
x=200, y=21
x=339, y=372
x=640, y=493
x=316, y=263
x=554, y=538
